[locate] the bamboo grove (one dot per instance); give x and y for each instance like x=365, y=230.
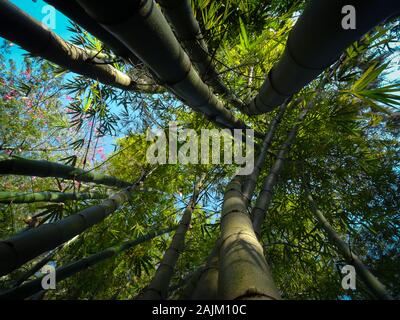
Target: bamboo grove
x=323, y=192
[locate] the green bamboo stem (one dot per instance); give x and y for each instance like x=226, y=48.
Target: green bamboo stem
x=141, y=26
x=28, y=33
x=41, y=168
x=180, y=15
x=207, y=283
x=372, y=283
x=22, y=247
x=158, y=286
x=243, y=271
x=249, y=183
x=265, y=196
x=71, y=269
x=46, y=196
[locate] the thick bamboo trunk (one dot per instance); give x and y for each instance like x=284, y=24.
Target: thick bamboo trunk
x=180, y=15
x=158, y=287
x=40, y=168
x=190, y=283
x=372, y=283
x=21, y=248
x=316, y=42
x=243, y=270
x=206, y=287
x=70, y=269
x=20, y=28
x=265, y=195
x=141, y=26
x=46, y=196
x=75, y=12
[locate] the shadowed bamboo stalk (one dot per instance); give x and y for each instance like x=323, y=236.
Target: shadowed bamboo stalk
x=22, y=247
x=141, y=26
x=207, y=282
x=243, y=271
x=373, y=284
x=180, y=15
x=46, y=196
x=158, y=287
x=23, y=30
x=70, y=269
x=41, y=168
x=265, y=196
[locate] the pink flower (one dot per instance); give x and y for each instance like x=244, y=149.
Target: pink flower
x=100, y=150
x=69, y=98
x=27, y=73
x=103, y=157
x=8, y=151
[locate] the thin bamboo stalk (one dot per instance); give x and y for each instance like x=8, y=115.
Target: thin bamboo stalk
x=46, y=196
x=249, y=183
x=265, y=196
x=372, y=283
x=71, y=269
x=22, y=247
x=158, y=286
x=41, y=168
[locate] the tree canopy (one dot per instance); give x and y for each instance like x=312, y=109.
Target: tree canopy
x=77, y=190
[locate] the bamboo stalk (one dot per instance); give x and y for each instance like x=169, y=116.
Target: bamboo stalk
x=243, y=271
x=207, y=283
x=372, y=283
x=141, y=26
x=71, y=269
x=75, y=12
x=41, y=168
x=249, y=183
x=158, y=286
x=180, y=15
x=265, y=196
x=20, y=28
x=22, y=247
x=46, y=196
